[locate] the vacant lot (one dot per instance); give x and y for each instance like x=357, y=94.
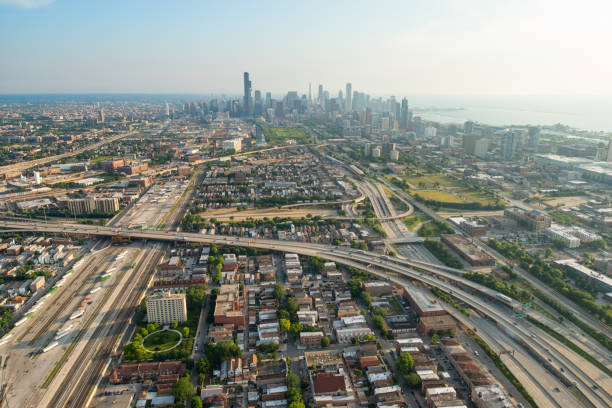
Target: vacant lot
x=224, y=214
x=441, y=196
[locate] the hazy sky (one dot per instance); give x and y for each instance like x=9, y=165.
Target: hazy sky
x=382, y=47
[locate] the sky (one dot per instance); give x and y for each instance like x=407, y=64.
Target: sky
x=434, y=47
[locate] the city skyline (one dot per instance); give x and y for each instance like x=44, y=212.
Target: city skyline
x=439, y=49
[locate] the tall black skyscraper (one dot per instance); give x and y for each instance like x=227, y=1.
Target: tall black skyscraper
x=246, y=102
x=404, y=115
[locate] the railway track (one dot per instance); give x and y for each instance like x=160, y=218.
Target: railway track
x=66, y=293
x=100, y=346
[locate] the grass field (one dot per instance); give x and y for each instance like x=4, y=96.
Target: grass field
x=438, y=195
x=430, y=181
x=413, y=221
x=161, y=340
x=281, y=135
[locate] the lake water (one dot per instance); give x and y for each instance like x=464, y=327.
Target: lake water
x=579, y=112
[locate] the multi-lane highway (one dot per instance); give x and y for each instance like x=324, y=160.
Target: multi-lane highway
x=50, y=159
x=575, y=309
x=538, y=348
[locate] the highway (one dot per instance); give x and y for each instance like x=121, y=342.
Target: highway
x=562, y=300
x=575, y=369
x=46, y=160
x=385, y=212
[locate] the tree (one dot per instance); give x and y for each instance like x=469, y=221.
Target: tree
x=558, y=243
x=292, y=380
x=195, y=296
x=285, y=325
x=548, y=253
x=196, y=402
x=435, y=338
x=405, y=363
x=279, y=292
x=151, y=327
x=413, y=380
x=203, y=365
x=174, y=325
x=185, y=331
x=182, y=390
x=325, y=341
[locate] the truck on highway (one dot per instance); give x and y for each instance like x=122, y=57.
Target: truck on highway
x=504, y=299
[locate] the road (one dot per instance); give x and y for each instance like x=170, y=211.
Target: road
x=562, y=300
x=590, y=382
x=46, y=160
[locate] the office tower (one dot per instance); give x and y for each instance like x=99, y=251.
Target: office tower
x=246, y=100
x=367, y=149
x=609, y=158
x=268, y=100
x=102, y=115
x=387, y=147
x=534, y=136
x=481, y=147
x=469, y=143
x=320, y=96
x=167, y=110
x=452, y=129
x=404, y=114
x=349, y=98
x=508, y=144
x=37, y=179
x=258, y=104
x=468, y=127
x=279, y=110
x=309, y=93
x=419, y=127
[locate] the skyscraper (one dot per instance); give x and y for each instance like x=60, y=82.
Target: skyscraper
x=348, y=106
x=508, y=144
x=268, y=100
x=468, y=127
x=404, y=114
x=320, y=96
x=257, y=105
x=246, y=101
x=609, y=158
x=309, y=93
x=534, y=136
x=101, y=115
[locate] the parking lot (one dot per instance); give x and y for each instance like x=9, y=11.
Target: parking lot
x=151, y=208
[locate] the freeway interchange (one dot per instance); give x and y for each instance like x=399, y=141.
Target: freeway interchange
x=547, y=368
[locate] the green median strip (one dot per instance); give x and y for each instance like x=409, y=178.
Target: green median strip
x=573, y=346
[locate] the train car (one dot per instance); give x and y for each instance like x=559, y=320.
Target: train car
x=50, y=346
x=94, y=290
x=60, y=336
x=5, y=339
x=20, y=322
x=77, y=314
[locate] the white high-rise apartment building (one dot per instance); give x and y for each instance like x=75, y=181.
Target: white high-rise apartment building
x=166, y=307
